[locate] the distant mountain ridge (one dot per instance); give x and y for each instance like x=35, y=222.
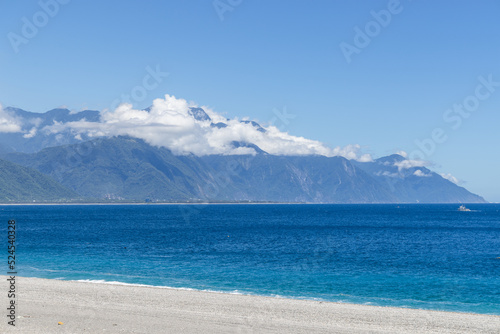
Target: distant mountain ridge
x=124, y=168
x=413, y=184
x=34, y=135
x=33, y=138
x=129, y=169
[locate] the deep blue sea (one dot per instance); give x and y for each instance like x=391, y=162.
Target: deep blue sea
x=416, y=256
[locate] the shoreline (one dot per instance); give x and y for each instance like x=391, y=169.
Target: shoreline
x=166, y=203
x=238, y=293
x=118, y=308
x=230, y=203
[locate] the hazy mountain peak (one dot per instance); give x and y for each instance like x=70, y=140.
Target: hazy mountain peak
x=238, y=144
x=131, y=169
x=199, y=114
x=57, y=112
x=255, y=125
x=391, y=159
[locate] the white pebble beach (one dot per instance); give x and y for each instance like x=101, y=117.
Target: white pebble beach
x=55, y=306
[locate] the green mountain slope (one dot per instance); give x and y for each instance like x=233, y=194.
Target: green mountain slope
x=124, y=168
x=22, y=184
x=119, y=168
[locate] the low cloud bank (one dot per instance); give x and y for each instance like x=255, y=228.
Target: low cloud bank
x=8, y=122
x=170, y=124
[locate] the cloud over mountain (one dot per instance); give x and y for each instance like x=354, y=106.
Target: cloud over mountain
x=419, y=173
x=8, y=122
x=407, y=164
x=451, y=178
x=185, y=128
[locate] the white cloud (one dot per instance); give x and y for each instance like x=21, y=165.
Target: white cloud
x=402, y=153
x=365, y=158
x=169, y=124
x=406, y=164
x=9, y=123
x=451, y=178
x=419, y=173
x=350, y=152
x=216, y=117
x=31, y=133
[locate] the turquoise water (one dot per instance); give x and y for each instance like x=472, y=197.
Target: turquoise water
x=418, y=256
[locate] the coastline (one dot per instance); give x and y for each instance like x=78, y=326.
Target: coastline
x=228, y=203
x=86, y=307
x=163, y=203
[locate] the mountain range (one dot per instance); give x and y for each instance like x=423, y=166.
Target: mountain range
x=38, y=165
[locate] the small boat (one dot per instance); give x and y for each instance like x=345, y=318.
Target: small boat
x=463, y=208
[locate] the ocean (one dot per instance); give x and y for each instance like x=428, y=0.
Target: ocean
x=415, y=256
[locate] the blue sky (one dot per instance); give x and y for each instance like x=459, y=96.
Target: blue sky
x=270, y=55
